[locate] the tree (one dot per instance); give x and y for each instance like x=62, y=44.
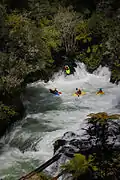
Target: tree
x=66, y=20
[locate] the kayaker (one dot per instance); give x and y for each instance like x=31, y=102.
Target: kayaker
x=100, y=91
x=54, y=91
x=67, y=69
x=78, y=91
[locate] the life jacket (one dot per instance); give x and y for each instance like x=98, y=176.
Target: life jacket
x=100, y=91
x=79, y=91
x=67, y=71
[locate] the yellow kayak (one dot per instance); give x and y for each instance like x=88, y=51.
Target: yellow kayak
x=83, y=93
x=100, y=93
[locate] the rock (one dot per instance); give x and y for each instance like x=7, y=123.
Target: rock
x=58, y=144
x=69, y=144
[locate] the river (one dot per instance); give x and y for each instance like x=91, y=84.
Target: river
x=30, y=141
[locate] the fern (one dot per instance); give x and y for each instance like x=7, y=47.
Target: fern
x=79, y=165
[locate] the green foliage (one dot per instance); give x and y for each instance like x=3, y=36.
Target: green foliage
x=52, y=26
x=82, y=31
x=79, y=165
x=92, y=57
x=104, y=132
x=6, y=112
x=66, y=21
x=102, y=116
x=100, y=126
x=29, y=50
x=2, y=22
x=51, y=37
x=115, y=75
x=88, y=50
x=4, y=64
x=28, y=38
x=43, y=176
x=42, y=9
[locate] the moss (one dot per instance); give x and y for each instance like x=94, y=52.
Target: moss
x=39, y=176
x=6, y=112
x=43, y=176
x=102, y=117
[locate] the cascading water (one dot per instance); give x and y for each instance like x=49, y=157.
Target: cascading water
x=30, y=142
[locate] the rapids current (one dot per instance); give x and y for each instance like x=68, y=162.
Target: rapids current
x=30, y=141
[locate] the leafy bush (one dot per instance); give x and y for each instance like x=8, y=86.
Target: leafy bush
x=79, y=166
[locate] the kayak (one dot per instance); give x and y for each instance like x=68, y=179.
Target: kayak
x=57, y=93
x=100, y=93
x=83, y=93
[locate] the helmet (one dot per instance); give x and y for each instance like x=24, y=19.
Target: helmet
x=100, y=89
x=66, y=65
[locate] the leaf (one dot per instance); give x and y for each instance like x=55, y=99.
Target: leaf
x=77, y=166
x=88, y=50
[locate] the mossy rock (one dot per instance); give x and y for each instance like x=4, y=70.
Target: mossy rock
x=102, y=117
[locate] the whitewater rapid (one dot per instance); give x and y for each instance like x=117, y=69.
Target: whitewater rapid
x=30, y=142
